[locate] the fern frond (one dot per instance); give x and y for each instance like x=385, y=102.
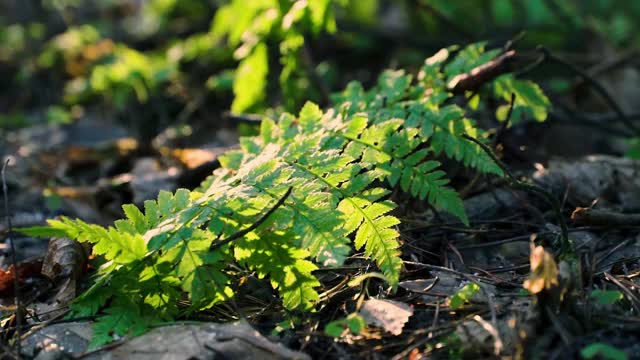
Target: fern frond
x=529, y=98
x=382, y=245
x=124, y=317
x=199, y=270
x=373, y=229
x=449, y=124
x=396, y=151
x=316, y=217
x=274, y=255
x=121, y=244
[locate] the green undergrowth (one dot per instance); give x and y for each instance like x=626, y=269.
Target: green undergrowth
x=305, y=193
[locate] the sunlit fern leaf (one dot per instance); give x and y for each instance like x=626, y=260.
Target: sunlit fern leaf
x=374, y=230
x=392, y=86
x=395, y=151
x=199, y=270
x=529, y=98
x=274, y=255
x=121, y=247
x=320, y=228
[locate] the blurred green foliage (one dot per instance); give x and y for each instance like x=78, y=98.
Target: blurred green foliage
x=602, y=351
x=147, y=60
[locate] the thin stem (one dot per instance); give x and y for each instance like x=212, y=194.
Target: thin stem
x=505, y=123
x=16, y=286
x=245, y=231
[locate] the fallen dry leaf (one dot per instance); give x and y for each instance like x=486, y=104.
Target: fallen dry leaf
x=192, y=158
x=27, y=270
x=65, y=263
x=544, y=271
x=387, y=314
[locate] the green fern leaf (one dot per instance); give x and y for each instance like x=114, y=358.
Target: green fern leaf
x=529, y=98
x=124, y=317
x=374, y=231
x=274, y=255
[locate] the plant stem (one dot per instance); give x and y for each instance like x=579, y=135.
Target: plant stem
x=245, y=231
x=14, y=262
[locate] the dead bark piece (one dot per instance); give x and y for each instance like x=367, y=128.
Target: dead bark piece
x=612, y=181
x=588, y=216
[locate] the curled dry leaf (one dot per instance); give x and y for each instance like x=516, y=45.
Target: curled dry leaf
x=388, y=314
x=65, y=262
x=544, y=271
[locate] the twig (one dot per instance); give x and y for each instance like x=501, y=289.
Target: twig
x=557, y=325
x=635, y=302
x=566, y=245
x=505, y=123
x=563, y=16
x=537, y=62
x=607, y=218
x=421, y=340
x=482, y=74
x=493, y=157
x=617, y=60
x=245, y=231
x=494, y=143
x=16, y=286
x=597, y=86
x=509, y=44
x=244, y=118
x=472, y=278
x=191, y=108
x=107, y=347
x=443, y=269
x=493, y=330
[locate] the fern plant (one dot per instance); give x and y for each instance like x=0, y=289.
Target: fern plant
x=303, y=193
x=250, y=26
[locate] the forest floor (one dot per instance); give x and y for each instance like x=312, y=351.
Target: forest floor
x=482, y=291
x=102, y=167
